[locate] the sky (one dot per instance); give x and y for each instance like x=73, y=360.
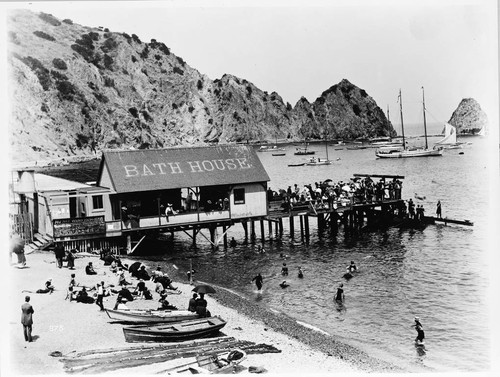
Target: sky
x=299, y=48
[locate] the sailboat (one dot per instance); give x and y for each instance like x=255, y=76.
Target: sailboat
x=403, y=151
x=449, y=141
x=313, y=161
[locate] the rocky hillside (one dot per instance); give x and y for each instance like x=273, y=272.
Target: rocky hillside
x=76, y=90
x=469, y=118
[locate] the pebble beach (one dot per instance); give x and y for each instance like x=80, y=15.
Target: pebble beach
x=70, y=327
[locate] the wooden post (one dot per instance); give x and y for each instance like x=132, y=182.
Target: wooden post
x=280, y=225
x=306, y=226
x=292, y=231
x=129, y=244
x=225, y=236
x=190, y=271
x=252, y=230
x=245, y=228
x=194, y=236
x=262, y=235
x=213, y=237
x=301, y=218
x=321, y=222
x=270, y=229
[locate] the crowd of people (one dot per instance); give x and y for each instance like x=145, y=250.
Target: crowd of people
x=329, y=194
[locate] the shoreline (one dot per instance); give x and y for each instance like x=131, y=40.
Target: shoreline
x=74, y=327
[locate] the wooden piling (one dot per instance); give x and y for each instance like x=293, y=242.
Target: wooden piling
x=252, y=230
x=270, y=229
x=292, y=231
x=245, y=228
x=280, y=226
x=301, y=228
x=306, y=227
x=262, y=235
x=225, y=236
x=194, y=236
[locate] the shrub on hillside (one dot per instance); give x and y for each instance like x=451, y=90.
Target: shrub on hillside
x=136, y=38
x=147, y=117
x=43, y=35
x=145, y=52
x=66, y=90
x=356, y=109
x=106, y=30
x=39, y=70
x=178, y=71
x=363, y=93
x=100, y=97
x=67, y=21
x=249, y=91
x=133, y=58
x=191, y=109
x=59, y=64
x=210, y=121
x=199, y=85
x=109, y=82
x=109, y=45
x=157, y=57
x=82, y=140
x=174, y=106
x=127, y=37
x=108, y=62
x=182, y=62
x=44, y=108
x=50, y=19
x=58, y=76
x=13, y=38
x=133, y=111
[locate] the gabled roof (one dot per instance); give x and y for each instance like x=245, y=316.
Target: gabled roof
x=160, y=169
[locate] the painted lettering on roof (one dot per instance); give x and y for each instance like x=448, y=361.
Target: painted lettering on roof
x=181, y=167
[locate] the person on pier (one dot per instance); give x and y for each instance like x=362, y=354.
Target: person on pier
x=438, y=210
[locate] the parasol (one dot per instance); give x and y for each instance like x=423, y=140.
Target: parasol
x=204, y=288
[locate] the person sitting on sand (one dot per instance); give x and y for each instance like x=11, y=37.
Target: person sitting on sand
x=83, y=297
x=284, y=270
x=71, y=294
x=121, y=278
x=142, y=273
x=72, y=282
x=113, y=267
x=284, y=284
x=125, y=293
x=192, y=303
x=70, y=257
x=156, y=274
x=201, y=306
x=89, y=269
x=164, y=304
x=166, y=282
x=49, y=288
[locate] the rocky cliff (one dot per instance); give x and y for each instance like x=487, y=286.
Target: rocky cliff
x=469, y=118
x=76, y=90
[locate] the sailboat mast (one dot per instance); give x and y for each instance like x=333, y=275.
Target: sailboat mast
x=401, y=112
x=326, y=144
x=425, y=124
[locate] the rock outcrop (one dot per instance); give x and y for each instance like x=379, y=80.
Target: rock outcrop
x=77, y=90
x=469, y=118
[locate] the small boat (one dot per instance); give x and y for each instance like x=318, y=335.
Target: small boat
x=299, y=164
x=265, y=148
x=174, y=332
x=213, y=363
x=316, y=162
x=150, y=316
x=279, y=154
x=303, y=151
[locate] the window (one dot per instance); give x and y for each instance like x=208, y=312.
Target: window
x=239, y=196
x=97, y=202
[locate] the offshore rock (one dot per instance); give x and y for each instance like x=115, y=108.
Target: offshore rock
x=469, y=118
x=77, y=90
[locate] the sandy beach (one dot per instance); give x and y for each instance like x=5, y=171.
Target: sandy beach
x=70, y=327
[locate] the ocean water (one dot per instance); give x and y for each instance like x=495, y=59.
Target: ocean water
x=437, y=273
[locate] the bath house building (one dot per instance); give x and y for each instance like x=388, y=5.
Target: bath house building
x=181, y=189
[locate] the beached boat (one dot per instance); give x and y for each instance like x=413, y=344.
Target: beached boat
x=403, y=151
x=279, y=154
x=299, y=164
x=213, y=363
x=150, y=316
x=174, y=332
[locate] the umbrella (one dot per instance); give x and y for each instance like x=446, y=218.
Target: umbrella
x=203, y=288
x=134, y=267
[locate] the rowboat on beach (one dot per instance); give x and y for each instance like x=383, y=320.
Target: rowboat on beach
x=150, y=316
x=299, y=164
x=213, y=363
x=174, y=332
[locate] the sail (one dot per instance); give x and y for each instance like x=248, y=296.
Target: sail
x=450, y=135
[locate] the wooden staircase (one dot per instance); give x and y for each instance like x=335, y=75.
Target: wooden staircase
x=40, y=242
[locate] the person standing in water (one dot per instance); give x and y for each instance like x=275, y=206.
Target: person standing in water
x=420, y=331
x=352, y=267
x=258, y=281
x=301, y=274
x=339, y=296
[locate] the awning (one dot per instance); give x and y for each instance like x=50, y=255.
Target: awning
x=160, y=169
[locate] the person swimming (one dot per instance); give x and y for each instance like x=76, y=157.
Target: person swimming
x=420, y=331
x=284, y=284
x=352, y=267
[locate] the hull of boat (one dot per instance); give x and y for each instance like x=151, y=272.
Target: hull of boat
x=410, y=153
x=304, y=153
x=175, y=332
x=302, y=164
x=151, y=316
x=279, y=154
x=318, y=163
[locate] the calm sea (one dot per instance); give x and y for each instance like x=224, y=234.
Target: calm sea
x=436, y=273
